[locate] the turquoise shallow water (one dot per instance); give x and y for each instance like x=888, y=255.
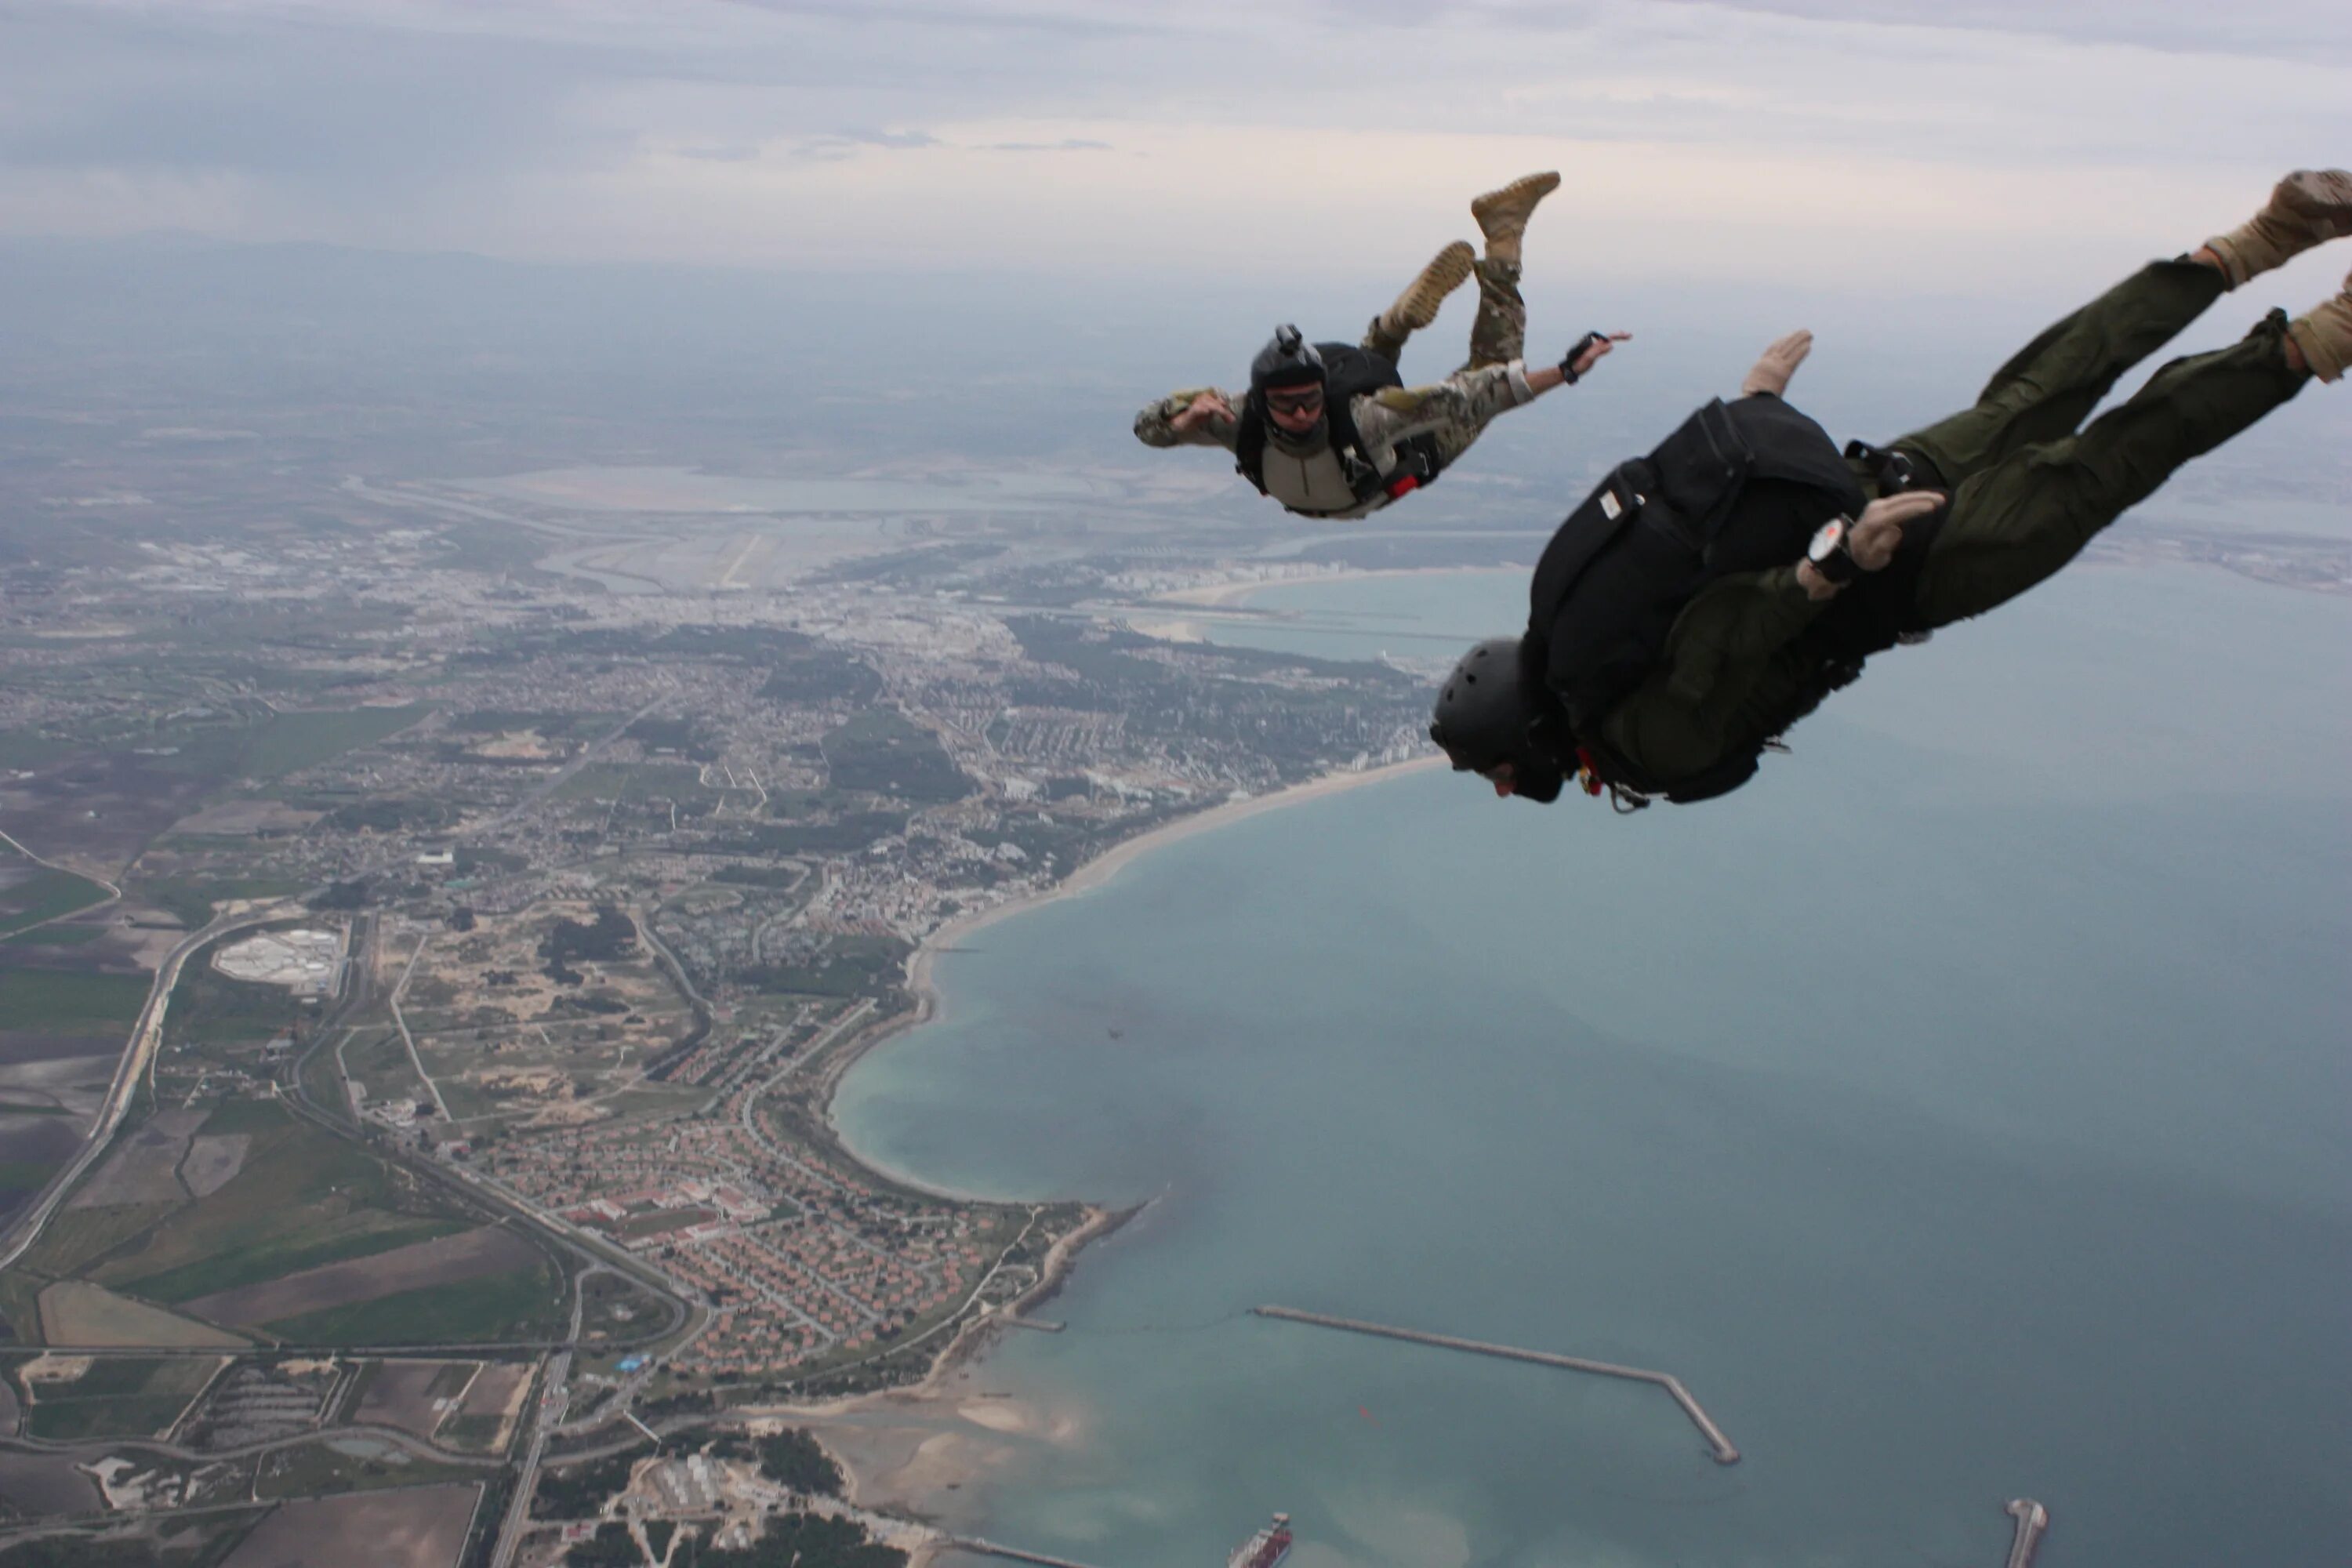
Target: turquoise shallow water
x=1959, y=1111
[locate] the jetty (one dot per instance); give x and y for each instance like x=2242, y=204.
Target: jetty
x=2032, y=1519
x=1009, y=1553
x=1720, y=1447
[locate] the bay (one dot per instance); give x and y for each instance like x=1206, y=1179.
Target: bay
x=1957, y=1111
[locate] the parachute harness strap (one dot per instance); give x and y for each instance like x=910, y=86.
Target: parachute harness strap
x=1622, y=799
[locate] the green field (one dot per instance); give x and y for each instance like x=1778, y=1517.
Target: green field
x=72, y=1240
x=289, y=743
x=202, y=1544
x=191, y=899
x=521, y=1304
x=379, y=1061
x=69, y=1002
x=125, y=1397
x=303, y=1199
x=554, y=726
x=26, y=748
x=209, y=1008
x=472, y=1433
x=21, y=1175
x=56, y=936
x=45, y=896
x=633, y=784
x=314, y=1470
x=880, y=751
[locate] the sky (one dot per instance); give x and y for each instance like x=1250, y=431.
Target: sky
x=1822, y=141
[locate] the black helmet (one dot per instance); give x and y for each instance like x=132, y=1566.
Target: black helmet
x=1288, y=360
x=1492, y=709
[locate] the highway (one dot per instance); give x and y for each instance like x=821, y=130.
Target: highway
x=554, y=1395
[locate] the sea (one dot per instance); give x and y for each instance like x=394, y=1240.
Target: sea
x=1959, y=1111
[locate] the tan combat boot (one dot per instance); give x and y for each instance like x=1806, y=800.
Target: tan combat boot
x=1417, y=306
x=2306, y=208
x=1503, y=214
x=2324, y=334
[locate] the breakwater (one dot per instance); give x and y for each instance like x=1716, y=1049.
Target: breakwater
x=972, y=1543
x=2032, y=1519
x=1720, y=1447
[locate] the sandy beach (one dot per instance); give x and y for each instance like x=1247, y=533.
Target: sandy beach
x=1227, y=595
x=1104, y=867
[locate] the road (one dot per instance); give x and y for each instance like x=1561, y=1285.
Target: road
x=146, y=1035
x=112, y=892
x=554, y=1395
x=400, y=1021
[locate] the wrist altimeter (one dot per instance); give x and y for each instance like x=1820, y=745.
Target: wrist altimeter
x=1831, y=553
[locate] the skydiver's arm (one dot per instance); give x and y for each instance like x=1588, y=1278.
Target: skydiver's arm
x=1196, y=416
x=1465, y=401
x=1682, y=719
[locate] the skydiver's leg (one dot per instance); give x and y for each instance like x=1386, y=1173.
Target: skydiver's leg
x=1418, y=305
x=2055, y=381
x=2017, y=521
x=1498, y=333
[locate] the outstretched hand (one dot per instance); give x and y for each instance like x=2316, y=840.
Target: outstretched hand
x=1597, y=349
x=1878, y=531
x=1208, y=406
x=1773, y=368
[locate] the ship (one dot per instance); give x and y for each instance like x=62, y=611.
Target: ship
x=1266, y=1548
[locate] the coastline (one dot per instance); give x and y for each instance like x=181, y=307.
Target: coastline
x=900, y=1447
x=1226, y=596
x=922, y=964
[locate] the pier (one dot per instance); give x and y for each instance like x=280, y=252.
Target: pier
x=2032, y=1519
x=1720, y=1447
x=1009, y=1553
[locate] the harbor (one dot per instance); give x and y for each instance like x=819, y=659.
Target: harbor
x=1720, y=1447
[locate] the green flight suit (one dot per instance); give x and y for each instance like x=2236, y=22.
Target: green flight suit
x=2027, y=494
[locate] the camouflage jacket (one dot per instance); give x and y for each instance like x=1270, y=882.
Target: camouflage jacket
x=1453, y=410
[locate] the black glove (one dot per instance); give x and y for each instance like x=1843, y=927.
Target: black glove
x=1568, y=361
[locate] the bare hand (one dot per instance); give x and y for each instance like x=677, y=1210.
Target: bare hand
x=1208, y=406
x=1776, y=365
x=1598, y=350
x=1878, y=531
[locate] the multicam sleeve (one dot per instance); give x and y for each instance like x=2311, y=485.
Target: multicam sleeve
x=1155, y=422
x=1464, y=402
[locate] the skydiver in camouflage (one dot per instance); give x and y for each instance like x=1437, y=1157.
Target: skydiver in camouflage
x=1329, y=431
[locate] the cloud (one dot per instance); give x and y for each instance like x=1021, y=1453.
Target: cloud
x=768, y=132
x=2287, y=29
x=839, y=145
x=1066, y=144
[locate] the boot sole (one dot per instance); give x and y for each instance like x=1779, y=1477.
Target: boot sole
x=1515, y=200
x=2321, y=198
x=1417, y=307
